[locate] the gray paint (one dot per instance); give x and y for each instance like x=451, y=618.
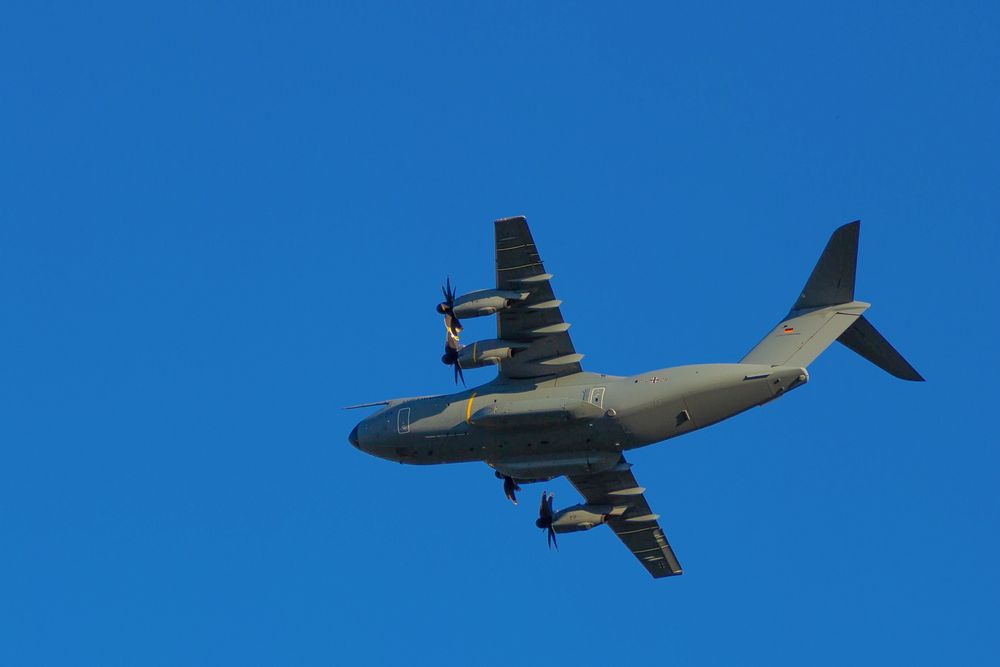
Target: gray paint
x=500, y=422
x=543, y=416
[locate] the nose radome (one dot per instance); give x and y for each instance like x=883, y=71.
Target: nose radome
x=353, y=437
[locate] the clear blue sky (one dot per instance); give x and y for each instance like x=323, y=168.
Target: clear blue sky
x=220, y=222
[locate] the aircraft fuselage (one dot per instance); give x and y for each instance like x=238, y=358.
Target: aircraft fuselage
x=572, y=424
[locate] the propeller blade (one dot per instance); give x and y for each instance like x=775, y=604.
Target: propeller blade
x=449, y=293
x=545, y=519
x=447, y=308
x=510, y=487
x=454, y=327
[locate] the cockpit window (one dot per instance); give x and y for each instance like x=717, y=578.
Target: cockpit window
x=403, y=421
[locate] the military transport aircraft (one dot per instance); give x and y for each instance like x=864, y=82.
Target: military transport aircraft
x=543, y=416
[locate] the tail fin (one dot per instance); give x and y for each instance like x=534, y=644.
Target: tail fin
x=832, y=279
x=826, y=311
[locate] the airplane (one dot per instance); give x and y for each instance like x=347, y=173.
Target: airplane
x=544, y=417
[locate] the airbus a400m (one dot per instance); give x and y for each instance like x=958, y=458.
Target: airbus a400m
x=543, y=416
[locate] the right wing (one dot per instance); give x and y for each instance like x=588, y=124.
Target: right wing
x=537, y=320
x=637, y=527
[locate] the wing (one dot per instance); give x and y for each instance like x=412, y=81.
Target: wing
x=636, y=526
x=536, y=320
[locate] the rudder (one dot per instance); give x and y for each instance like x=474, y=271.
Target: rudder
x=826, y=311
x=832, y=279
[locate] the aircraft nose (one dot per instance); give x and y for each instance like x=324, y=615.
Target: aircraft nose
x=353, y=437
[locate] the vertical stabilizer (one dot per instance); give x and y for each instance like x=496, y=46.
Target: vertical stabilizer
x=832, y=279
x=826, y=311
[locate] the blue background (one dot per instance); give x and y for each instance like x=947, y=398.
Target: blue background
x=221, y=222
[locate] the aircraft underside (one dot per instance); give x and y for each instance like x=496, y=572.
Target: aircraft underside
x=544, y=417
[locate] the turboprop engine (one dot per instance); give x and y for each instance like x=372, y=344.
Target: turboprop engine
x=474, y=304
x=485, y=302
x=487, y=352
x=580, y=517
x=571, y=519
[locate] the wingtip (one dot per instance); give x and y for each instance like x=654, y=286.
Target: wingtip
x=513, y=218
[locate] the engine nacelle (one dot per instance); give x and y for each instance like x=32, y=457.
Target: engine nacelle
x=487, y=352
x=485, y=302
x=580, y=517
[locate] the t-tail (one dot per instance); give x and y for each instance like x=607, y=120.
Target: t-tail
x=826, y=311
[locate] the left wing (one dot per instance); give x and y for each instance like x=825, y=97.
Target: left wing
x=637, y=527
x=537, y=320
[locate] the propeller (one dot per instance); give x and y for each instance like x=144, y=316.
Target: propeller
x=447, y=308
x=545, y=518
x=450, y=356
x=510, y=487
x=452, y=328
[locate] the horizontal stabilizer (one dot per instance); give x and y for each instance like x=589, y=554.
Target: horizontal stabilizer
x=801, y=337
x=865, y=339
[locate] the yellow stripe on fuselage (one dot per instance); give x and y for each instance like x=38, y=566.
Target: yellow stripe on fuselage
x=468, y=408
